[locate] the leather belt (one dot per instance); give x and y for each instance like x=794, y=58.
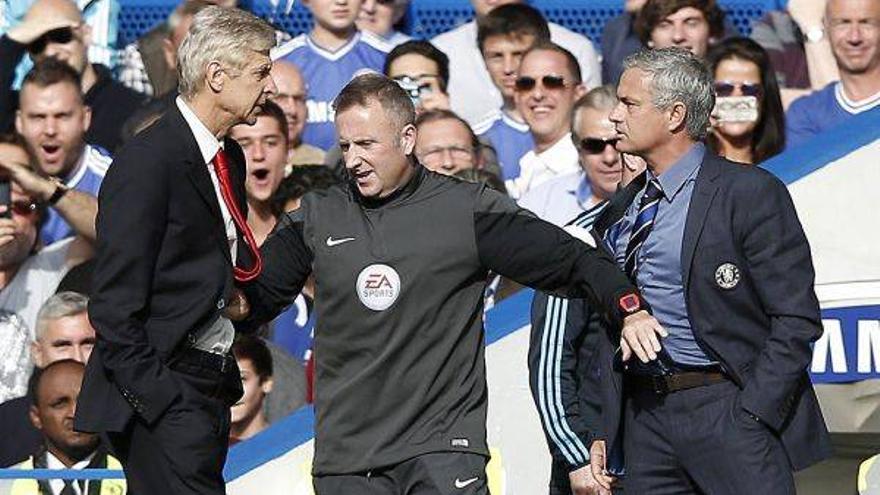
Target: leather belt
x=665, y=384
x=198, y=358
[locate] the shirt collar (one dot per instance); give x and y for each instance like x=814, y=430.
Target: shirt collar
x=207, y=142
x=53, y=462
x=680, y=172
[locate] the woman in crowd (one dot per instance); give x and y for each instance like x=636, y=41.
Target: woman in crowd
x=748, y=123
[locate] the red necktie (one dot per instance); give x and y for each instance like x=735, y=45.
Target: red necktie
x=221, y=166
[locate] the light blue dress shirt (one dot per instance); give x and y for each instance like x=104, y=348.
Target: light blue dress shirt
x=659, y=260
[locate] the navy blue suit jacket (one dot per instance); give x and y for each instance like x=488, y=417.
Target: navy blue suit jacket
x=163, y=271
x=761, y=329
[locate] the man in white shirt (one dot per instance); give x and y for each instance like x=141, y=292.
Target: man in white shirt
x=470, y=87
x=547, y=86
x=562, y=199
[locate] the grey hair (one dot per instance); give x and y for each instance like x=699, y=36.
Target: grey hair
x=229, y=36
x=58, y=306
x=599, y=98
x=678, y=76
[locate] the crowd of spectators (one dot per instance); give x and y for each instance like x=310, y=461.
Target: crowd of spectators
x=508, y=99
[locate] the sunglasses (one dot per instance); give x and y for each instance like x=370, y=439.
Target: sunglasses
x=725, y=88
x=594, y=146
x=61, y=36
x=23, y=208
x=526, y=83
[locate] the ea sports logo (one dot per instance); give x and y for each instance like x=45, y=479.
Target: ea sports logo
x=378, y=286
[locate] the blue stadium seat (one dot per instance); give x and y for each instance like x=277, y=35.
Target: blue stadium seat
x=427, y=18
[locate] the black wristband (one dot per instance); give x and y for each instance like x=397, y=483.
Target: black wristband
x=60, y=191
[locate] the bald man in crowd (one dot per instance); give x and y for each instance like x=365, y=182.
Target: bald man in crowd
x=291, y=97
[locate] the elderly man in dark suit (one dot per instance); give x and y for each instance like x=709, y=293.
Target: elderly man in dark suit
x=171, y=228
x=719, y=400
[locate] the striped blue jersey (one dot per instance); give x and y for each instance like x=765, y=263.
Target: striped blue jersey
x=561, y=376
x=511, y=140
x=822, y=110
x=86, y=177
x=326, y=73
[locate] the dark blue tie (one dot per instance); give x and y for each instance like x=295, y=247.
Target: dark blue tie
x=640, y=231
x=642, y=227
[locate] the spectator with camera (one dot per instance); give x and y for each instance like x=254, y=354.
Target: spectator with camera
x=55, y=29
x=748, y=123
x=423, y=71
x=30, y=272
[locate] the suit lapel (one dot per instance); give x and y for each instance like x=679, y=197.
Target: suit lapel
x=201, y=180
x=705, y=188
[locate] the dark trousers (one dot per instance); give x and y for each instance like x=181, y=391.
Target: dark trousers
x=700, y=441
x=183, y=453
x=440, y=473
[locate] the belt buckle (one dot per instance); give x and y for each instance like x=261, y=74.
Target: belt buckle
x=659, y=385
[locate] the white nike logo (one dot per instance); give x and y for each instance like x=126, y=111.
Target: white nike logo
x=335, y=242
x=461, y=484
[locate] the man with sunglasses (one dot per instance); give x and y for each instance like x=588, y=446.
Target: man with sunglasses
x=564, y=335
x=504, y=35
x=561, y=199
x=55, y=29
x=720, y=401
x=548, y=84
x=470, y=86
x=29, y=271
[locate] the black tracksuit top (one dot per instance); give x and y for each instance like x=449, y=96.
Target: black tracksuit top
x=399, y=354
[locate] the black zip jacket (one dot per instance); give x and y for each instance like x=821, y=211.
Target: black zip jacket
x=400, y=368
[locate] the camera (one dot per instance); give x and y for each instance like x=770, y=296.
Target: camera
x=413, y=88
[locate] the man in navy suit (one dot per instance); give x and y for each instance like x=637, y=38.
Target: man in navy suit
x=717, y=401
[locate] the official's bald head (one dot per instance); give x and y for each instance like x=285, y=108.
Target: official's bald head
x=291, y=97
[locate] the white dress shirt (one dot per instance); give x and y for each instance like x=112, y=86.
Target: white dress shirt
x=218, y=336
x=561, y=199
x=472, y=94
x=537, y=168
x=57, y=485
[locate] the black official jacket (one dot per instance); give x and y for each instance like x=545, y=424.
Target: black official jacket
x=400, y=368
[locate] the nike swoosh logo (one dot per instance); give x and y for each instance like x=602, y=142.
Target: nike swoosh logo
x=335, y=242
x=462, y=484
